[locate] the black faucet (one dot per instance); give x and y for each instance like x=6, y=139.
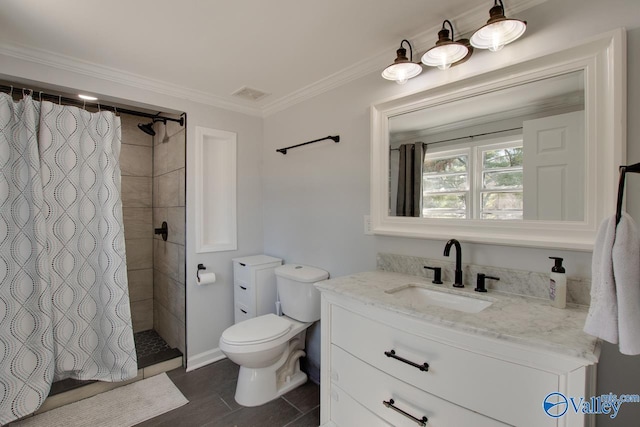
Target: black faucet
x=458, y=280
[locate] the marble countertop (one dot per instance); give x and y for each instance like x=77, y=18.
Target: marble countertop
x=523, y=320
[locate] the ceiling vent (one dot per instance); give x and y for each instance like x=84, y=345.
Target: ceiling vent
x=250, y=94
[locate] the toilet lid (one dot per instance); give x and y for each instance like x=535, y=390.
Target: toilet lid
x=257, y=330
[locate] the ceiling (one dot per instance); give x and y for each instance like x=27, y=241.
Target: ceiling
x=207, y=50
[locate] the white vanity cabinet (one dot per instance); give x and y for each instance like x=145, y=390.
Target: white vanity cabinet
x=380, y=367
x=254, y=286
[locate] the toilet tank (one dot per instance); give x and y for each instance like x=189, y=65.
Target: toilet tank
x=299, y=299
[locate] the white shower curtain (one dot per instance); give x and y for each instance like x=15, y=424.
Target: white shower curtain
x=64, y=304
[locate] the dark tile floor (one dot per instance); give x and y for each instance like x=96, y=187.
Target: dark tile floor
x=210, y=392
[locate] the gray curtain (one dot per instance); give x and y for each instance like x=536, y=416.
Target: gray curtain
x=409, y=200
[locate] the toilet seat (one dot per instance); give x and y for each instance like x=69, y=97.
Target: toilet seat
x=257, y=330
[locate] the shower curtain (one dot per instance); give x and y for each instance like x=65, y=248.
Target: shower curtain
x=64, y=304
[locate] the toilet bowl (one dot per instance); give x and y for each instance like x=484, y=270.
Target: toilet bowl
x=268, y=348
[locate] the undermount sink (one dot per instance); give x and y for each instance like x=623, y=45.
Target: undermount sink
x=417, y=295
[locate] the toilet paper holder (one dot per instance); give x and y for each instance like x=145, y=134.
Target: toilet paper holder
x=200, y=267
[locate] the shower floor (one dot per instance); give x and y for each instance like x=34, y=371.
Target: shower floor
x=151, y=349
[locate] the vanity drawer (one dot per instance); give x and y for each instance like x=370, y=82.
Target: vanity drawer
x=371, y=387
x=471, y=380
x=346, y=412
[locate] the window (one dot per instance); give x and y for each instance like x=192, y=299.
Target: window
x=445, y=189
x=476, y=182
x=500, y=180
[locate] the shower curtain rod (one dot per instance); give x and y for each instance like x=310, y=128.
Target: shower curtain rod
x=464, y=137
x=80, y=103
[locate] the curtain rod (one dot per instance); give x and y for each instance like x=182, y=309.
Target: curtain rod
x=80, y=103
x=464, y=137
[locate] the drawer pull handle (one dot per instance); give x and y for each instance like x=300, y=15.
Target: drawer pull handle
x=242, y=264
x=243, y=311
x=390, y=404
x=243, y=288
x=424, y=367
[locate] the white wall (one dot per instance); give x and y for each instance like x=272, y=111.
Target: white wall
x=210, y=308
x=315, y=197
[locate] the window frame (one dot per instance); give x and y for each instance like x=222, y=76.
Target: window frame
x=475, y=168
x=448, y=153
x=513, y=141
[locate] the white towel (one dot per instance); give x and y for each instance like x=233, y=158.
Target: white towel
x=602, y=320
x=614, y=314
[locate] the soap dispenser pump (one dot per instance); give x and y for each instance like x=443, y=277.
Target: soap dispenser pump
x=558, y=284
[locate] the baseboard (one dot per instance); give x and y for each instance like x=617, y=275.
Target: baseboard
x=204, y=358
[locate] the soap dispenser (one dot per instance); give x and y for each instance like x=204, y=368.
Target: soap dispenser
x=558, y=284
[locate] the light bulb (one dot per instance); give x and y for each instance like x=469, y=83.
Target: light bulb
x=496, y=42
x=402, y=78
x=444, y=63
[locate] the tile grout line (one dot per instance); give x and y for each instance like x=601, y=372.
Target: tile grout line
x=302, y=414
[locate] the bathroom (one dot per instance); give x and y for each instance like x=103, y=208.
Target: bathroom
x=309, y=206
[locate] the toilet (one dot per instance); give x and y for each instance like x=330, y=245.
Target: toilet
x=268, y=348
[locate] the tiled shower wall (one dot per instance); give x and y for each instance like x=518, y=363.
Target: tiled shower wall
x=136, y=164
x=169, y=256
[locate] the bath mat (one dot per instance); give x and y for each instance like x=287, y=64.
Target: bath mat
x=123, y=406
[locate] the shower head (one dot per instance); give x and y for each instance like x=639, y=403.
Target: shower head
x=147, y=128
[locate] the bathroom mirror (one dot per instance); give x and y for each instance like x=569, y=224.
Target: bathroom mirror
x=526, y=155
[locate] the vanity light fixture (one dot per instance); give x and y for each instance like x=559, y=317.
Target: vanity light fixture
x=403, y=68
x=87, y=97
x=447, y=51
x=498, y=31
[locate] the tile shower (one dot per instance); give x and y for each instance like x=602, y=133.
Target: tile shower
x=153, y=191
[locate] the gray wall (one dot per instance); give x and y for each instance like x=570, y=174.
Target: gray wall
x=315, y=197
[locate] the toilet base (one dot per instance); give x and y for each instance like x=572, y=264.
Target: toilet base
x=256, y=387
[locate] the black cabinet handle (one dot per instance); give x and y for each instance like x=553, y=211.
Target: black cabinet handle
x=243, y=288
x=242, y=264
x=392, y=354
x=390, y=404
x=243, y=311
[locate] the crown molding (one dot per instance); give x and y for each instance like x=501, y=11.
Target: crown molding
x=464, y=24
x=78, y=66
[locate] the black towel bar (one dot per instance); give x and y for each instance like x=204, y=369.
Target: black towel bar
x=335, y=139
x=623, y=171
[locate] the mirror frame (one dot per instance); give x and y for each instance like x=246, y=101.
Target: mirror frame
x=603, y=62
